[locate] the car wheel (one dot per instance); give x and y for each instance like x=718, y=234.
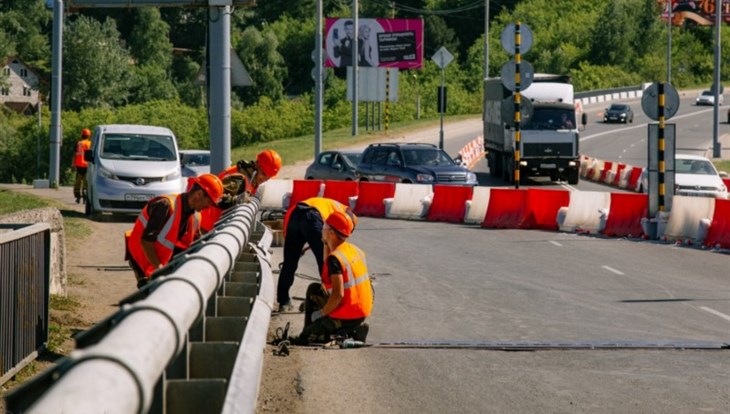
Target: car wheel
x=407, y=181
x=309, y=178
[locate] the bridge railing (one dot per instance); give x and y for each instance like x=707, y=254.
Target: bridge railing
x=25, y=252
x=191, y=341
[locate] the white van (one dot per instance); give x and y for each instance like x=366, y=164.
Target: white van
x=129, y=165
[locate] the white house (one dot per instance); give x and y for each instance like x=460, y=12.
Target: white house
x=19, y=87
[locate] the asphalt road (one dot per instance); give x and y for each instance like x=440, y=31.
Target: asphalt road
x=631, y=326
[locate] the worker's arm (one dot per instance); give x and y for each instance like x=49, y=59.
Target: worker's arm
x=148, y=248
x=335, y=298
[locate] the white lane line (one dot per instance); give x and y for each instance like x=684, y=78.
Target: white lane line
x=611, y=269
x=637, y=126
x=716, y=313
x=556, y=243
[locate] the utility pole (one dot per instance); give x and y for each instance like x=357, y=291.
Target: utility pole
x=669, y=41
x=56, y=79
x=318, y=87
x=716, y=150
x=355, y=57
x=486, y=40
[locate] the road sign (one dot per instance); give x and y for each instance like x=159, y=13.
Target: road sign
x=508, y=38
x=442, y=57
x=509, y=70
x=650, y=101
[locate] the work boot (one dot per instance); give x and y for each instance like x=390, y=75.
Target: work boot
x=286, y=307
x=360, y=332
x=78, y=200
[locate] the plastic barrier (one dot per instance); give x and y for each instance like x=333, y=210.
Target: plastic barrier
x=684, y=219
x=585, y=164
x=726, y=181
x=591, y=166
x=506, y=209
x=623, y=181
x=616, y=176
x=370, y=199
x=605, y=171
x=541, y=208
x=275, y=194
x=624, y=218
x=449, y=203
x=343, y=191
x=633, y=183
x=586, y=211
x=594, y=173
x=718, y=234
x=304, y=189
x=476, y=208
x=410, y=201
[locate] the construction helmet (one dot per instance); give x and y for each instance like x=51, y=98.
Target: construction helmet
x=212, y=186
x=85, y=133
x=269, y=162
x=352, y=216
x=340, y=222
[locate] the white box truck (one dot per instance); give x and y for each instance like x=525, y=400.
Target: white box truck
x=549, y=139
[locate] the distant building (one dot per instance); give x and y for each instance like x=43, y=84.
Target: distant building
x=19, y=87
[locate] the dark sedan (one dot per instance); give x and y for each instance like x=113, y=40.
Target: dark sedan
x=334, y=165
x=618, y=113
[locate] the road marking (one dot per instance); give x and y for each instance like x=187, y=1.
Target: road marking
x=556, y=243
x=716, y=313
x=611, y=269
x=613, y=131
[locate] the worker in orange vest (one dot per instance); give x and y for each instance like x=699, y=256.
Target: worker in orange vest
x=168, y=225
x=80, y=164
x=303, y=224
x=340, y=304
x=241, y=181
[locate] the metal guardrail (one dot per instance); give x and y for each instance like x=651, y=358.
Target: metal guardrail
x=25, y=255
x=607, y=92
x=191, y=341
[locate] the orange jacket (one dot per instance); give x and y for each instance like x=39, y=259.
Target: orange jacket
x=358, y=299
x=166, y=240
x=81, y=147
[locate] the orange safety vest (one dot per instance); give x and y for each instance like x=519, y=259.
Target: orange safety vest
x=358, y=299
x=167, y=239
x=211, y=215
x=325, y=206
x=233, y=170
x=81, y=147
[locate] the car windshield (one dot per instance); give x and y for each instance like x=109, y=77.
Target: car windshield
x=701, y=167
x=138, y=147
x=195, y=159
x=426, y=156
x=544, y=118
x=708, y=93
x=617, y=108
x=354, y=158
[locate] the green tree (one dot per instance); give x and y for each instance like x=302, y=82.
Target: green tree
x=149, y=40
x=96, y=66
x=296, y=36
x=258, y=51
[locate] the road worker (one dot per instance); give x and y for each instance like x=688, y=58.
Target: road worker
x=80, y=165
x=241, y=181
x=340, y=304
x=168, y=225
x=302, y=225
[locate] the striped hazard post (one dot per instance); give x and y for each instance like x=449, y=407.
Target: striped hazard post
x=518, y=100
x=387, y=99
x=660, y=136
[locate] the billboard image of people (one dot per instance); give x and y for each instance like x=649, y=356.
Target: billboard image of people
x=395, y=43
x=700, y=12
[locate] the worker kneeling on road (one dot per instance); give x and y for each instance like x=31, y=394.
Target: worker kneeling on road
x=340, y=304
x=303, y=225
x=168, y=225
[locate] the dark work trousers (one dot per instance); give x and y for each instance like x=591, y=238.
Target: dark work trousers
x=305, y=226
x=321, y=330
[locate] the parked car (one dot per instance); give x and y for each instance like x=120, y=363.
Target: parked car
x=618, y=113
x=334, y=165
x=412, y=163
x=129, y=165
x=708, y=98
x=194, y=162
x=693, y=176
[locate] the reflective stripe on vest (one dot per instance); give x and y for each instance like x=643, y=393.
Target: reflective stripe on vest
x=355, y=281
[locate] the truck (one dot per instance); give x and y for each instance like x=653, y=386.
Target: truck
x=549, y=137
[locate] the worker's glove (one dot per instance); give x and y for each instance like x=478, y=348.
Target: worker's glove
x=227, y=201
x=316, y=315
x=241, y=165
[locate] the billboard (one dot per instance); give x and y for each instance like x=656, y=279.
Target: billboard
x=385, y=43
x=701, y=12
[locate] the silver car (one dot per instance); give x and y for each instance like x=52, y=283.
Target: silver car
x=194, y=162
x=334, y=165
x=129, y=165
x=708, y=98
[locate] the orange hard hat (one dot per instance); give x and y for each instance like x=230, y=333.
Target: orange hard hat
x=341, y=222
x=269, y=162
x=85, y=132
x=352, y=216
x=212, y=185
